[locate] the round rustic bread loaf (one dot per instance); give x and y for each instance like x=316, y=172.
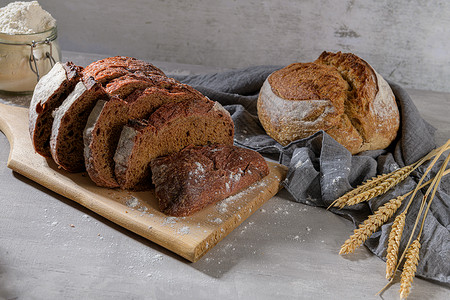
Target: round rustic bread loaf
x=339, y=93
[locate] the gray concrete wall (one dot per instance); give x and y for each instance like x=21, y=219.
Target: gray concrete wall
x=407, y=41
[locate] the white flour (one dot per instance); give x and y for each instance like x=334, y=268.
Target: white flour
x=25, y=17
x=21, y=23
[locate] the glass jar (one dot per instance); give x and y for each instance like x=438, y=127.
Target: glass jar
x=25, y=58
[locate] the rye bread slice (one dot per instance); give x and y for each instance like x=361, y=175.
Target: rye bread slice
x=49, y=93
x=169, y=129
x=107, y=119
x=66, y=141
x=189, y=180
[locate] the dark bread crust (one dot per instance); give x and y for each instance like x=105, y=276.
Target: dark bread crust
x=48, y=94
x=189, y=180
x=339, y=93
x=172, y=127
x=109, y=68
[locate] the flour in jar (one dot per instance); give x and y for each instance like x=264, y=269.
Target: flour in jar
x=28, y=45
x=25, y=17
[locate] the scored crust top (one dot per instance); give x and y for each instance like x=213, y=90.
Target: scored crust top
x=112, y=67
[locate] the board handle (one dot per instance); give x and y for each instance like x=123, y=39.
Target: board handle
x=12, y=125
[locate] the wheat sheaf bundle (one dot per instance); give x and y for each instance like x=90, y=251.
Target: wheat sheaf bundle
x=380, y=185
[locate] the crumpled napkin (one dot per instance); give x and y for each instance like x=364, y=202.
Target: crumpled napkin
x=321, y=170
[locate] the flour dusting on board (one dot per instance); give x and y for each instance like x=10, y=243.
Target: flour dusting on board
x=133, y=202
x=184, y=230
x=217, y=221
x=223, y=206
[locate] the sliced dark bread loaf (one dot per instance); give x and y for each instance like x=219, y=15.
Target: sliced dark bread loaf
x=66, y=141
x=108, y=118
x=48, y=94
x=195, y=177
x=109, y=68
x=172, y=127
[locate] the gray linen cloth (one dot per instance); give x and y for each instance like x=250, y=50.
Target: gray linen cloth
x=321, y=170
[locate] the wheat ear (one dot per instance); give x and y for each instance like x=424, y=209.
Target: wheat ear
x=409, y=268
x=396, y=177
x=370, y=225
x=394, y=243
x=371, y=183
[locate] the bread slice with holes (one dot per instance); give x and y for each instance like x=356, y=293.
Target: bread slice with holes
x=189, y=180
x=66, y=141
x=169, y=129
x=49, y=93
x=107, y=119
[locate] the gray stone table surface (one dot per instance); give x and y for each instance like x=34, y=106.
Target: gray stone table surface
x=53, y=248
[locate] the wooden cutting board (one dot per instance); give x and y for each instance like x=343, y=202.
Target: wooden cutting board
x=190, y=237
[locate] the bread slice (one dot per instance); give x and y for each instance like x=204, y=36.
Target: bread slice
x=189, y=180
x=109, y=68
x=66, y=141
x=169, y=129
x=106, y=121
x=48, y=94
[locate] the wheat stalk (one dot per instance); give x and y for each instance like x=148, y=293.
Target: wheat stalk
x=409, y=268
x=370, y=225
